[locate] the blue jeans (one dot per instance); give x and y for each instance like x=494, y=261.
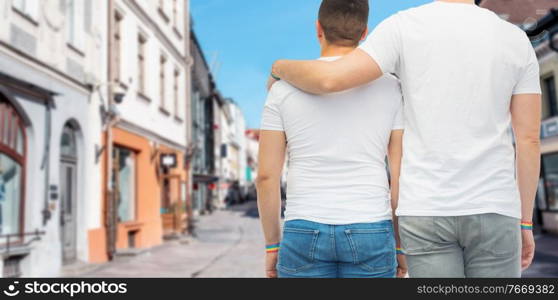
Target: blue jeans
x=314, y=250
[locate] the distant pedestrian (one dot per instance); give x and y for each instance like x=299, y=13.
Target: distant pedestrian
x=339, y=207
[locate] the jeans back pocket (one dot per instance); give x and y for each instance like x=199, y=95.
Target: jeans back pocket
x=373, y=249
x=297, y=249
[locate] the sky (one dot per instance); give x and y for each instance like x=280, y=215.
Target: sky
x=242, y=38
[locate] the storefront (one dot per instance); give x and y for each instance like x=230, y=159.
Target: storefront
x=149, y=193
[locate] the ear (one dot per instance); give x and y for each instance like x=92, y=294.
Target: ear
x=365, y=34
x=319, y=30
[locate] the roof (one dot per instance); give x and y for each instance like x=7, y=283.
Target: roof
x=520, y=12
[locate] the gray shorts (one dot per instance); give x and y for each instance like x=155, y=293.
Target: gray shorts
x=478, y=246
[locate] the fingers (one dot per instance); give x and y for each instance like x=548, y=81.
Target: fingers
x=527, y=256
x=527, y=259
x=401, y=272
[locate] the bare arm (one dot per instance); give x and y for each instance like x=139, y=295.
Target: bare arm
x=321, y=77
x=526, y=119
x=395, y=152
x=271, y=159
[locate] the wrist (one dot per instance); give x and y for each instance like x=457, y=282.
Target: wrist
x=272, y=248
x=526, y=225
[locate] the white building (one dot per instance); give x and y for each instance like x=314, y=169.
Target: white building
x=147, y=181
x=52, y=71
x=231, y=153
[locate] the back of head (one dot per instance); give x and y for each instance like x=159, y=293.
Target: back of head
x=344, y=21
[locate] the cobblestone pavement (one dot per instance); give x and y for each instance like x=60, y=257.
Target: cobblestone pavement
x=228, y=243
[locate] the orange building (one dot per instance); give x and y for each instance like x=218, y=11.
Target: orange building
x=145, y=180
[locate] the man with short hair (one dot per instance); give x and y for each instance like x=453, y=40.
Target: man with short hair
x=338, y=215
x=466, y=203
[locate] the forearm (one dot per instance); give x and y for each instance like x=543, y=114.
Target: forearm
x=528, y=171
x=394, y=203
x=309, y=76
x=323, y=77
x=269, y=205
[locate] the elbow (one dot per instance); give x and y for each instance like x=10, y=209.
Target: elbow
x=529, y=141
x=330, y=85
x=264, y=180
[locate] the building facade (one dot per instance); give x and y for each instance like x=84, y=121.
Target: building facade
x=230, y=153
x=202, y=131
x=145, y=182
x=52, y=75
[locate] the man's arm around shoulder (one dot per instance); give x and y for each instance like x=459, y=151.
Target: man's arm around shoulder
x=322, y=77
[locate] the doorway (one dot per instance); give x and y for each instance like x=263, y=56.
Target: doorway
x=68, y=194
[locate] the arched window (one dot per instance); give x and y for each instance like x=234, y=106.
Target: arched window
x=68, y=145
x=12, y=169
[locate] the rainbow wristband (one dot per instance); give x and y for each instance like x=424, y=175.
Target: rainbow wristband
x=399, y=251
x=272, y=248
x=526, y=225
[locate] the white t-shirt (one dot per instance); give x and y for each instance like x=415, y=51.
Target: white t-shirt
x=337, y=145
x=459, y=66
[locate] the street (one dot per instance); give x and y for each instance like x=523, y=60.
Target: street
x=229, y=243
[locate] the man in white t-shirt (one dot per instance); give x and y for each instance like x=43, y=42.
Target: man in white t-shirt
x=338, y=218
x=467, y=76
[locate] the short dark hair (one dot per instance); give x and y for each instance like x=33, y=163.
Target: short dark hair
x=344, y=21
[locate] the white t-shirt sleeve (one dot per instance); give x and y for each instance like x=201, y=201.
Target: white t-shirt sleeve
x=529, y=78
x=271, y=116
x=384, y=45
x=399, y=121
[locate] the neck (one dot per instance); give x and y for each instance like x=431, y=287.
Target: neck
x=331, y=50
x=459, y=1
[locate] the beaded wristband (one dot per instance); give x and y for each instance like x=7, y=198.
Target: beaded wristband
x=399, y=251
x=275, y=77
x=272, y=248
x=526, y=225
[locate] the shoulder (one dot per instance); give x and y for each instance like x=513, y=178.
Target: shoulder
x=281, y=90
x=413, y=11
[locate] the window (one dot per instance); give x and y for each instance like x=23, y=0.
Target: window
x=12, y=162
x=550, y=166
x=162, y=81
x=29, y=8
x=174, y=13
x=176, y=93
x=163, y=10
x=124, y=183
x=141, y=63
x=551, y=106
x=74, y=24
x=117, y=45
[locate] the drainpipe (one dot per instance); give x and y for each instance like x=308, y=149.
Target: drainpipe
x=188, y=118
x=46, y=161
x=110, y=208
